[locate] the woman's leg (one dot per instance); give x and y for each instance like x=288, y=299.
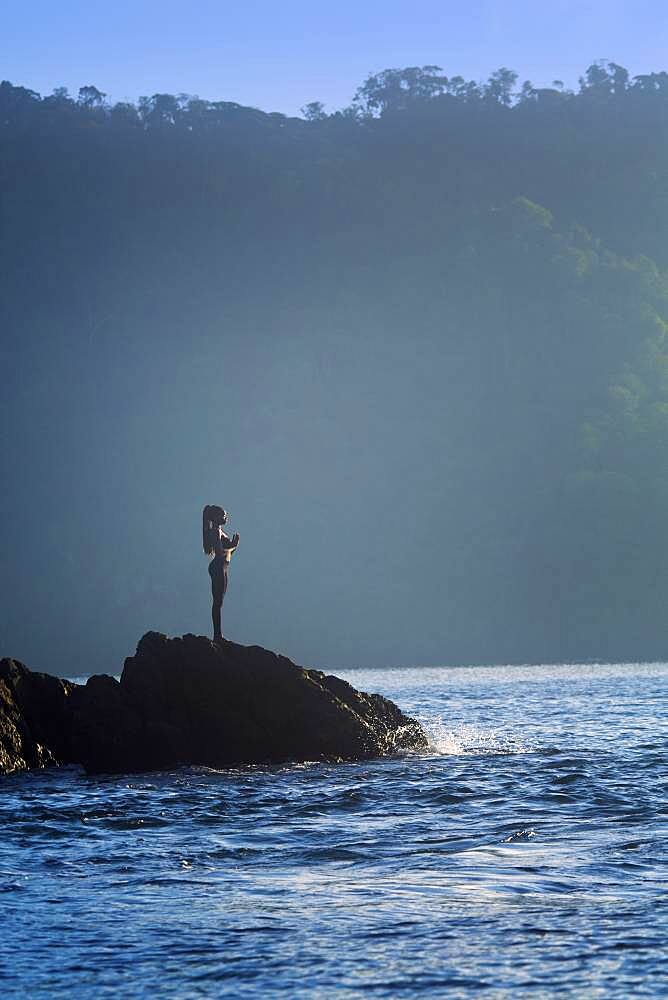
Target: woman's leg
x=217, y=593
x=216, y=619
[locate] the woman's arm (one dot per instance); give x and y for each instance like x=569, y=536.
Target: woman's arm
x=227, y=543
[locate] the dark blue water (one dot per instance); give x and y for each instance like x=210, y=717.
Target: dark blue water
x=525, y=855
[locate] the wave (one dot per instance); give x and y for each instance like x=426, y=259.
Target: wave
x=469, y=740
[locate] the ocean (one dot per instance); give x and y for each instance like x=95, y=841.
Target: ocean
x=525, y=854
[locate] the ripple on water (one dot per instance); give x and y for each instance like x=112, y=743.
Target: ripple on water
x=522, y=854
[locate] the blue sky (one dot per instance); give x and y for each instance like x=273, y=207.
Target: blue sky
x=278, y=56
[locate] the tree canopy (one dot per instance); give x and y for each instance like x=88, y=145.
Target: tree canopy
x=450, y=296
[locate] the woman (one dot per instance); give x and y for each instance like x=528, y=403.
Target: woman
x=219, y=545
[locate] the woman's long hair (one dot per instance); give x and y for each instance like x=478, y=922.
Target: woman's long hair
x=212, y=517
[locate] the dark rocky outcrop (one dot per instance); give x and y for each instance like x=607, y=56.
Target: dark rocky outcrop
x=34, y=721
x=188, y=701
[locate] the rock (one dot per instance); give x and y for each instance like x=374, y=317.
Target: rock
x=107, y=732
x=188, y=701
x=34, y=721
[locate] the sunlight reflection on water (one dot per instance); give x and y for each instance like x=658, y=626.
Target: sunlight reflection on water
x=523, y=854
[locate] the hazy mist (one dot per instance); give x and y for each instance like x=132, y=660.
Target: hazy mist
x=399, y=343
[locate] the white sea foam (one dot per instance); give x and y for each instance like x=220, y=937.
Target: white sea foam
x=470, y=740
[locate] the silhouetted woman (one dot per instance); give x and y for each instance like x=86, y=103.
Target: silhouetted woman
x=219, y=545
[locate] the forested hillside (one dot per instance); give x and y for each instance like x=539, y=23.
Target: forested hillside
x=419, y=346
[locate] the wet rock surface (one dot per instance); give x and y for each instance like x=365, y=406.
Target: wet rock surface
x=34, y=722
x=188, y=701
